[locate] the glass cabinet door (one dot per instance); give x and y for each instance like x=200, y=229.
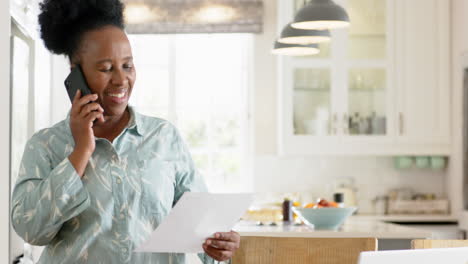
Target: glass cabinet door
x=343, y=90
x=312, y=101
x=367, y=72
x=367, y=32
x=367, y=102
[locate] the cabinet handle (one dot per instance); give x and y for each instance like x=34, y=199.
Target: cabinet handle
x=345, y=124
x=402, y=123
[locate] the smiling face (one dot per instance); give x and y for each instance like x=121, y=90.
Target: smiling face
x=105, y=56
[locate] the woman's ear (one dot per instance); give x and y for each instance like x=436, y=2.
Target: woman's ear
x=74, y=61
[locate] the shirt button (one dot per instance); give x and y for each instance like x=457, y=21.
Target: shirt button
x=122, y=216
x=124, y=250
x=119, y=181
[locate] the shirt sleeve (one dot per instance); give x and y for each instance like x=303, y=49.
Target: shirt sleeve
x=45, y=197
x=188, y=179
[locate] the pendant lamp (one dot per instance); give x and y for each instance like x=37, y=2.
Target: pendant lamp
x=321, y=14
x=291, y=35
x=295, y=49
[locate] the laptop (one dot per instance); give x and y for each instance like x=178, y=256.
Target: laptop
x=415, y=256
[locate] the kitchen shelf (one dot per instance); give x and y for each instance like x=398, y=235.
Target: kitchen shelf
x=300, y=89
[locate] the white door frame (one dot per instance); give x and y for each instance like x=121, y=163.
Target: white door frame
x=5, y=26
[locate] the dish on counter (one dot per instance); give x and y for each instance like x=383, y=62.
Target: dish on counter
x=326, y=218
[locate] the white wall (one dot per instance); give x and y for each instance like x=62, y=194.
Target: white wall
x=42, y=87
x=265, y=95
x=5, y=131
x=374, y=176
x=59, y=97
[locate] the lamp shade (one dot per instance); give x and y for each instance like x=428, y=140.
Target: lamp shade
x=295, y=49
x=321, y=14
x=291, y=35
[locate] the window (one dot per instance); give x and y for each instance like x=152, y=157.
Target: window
x=199, y=83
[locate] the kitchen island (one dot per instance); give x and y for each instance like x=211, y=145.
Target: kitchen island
x=390, y=236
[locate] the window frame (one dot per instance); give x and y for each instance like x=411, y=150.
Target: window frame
x=244, y=182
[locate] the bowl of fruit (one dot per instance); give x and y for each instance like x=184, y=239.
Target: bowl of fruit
x=323, y=215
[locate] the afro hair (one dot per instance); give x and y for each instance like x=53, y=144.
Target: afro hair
x=63, y=22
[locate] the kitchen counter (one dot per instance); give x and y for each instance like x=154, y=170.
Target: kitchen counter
x=353, y=227
x=423, y=218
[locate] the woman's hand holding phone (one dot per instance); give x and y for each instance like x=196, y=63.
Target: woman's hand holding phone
x=83, y=113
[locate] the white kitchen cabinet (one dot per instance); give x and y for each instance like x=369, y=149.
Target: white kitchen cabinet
x=422, y=75
x=377, y=88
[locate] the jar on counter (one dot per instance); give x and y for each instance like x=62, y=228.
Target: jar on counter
x=380, y=205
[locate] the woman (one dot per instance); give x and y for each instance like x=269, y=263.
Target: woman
x=94, y=186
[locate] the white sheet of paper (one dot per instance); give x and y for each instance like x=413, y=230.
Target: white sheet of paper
x=194, y=218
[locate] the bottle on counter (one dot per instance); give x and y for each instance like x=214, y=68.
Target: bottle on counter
x=338, y=199
x=287, y=211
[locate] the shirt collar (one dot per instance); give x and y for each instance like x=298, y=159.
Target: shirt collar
x=135, y=123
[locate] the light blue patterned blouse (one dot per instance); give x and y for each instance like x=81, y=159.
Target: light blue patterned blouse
x=128, y=187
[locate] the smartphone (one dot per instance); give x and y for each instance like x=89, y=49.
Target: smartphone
x=76, y=81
